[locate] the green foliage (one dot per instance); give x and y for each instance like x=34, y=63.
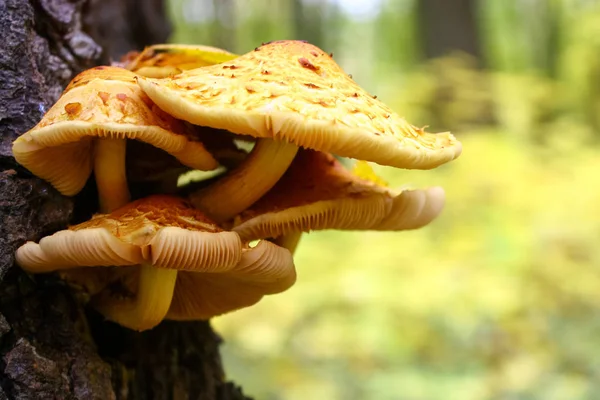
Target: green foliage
x=499, y=297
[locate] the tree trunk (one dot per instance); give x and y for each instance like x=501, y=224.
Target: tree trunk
x=448, y=25
x=51, y=347
x=308, y=21
x=223, y=27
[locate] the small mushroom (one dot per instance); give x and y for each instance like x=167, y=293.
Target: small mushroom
x=159, y=236
x=162, y=60
x=318, y=192
x=87, y=130
x=288, y=94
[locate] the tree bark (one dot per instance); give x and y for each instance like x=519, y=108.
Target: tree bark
x=308, y=21
x=51, y=346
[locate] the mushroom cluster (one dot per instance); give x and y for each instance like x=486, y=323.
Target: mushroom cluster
x=201, y=251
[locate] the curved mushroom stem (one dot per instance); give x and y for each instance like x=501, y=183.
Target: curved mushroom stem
x=109, y=170
x=151, y=304
x=289, y=241
x=243, y=186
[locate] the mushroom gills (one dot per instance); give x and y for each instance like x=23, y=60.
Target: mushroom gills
x=262, y=270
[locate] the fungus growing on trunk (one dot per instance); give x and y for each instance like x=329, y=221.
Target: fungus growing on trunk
x=87, y=130
x=160, y=234
x=152, y=240
x=290, y=94
x=159, y=257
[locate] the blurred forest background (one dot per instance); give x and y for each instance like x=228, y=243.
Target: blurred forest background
x=500, y=297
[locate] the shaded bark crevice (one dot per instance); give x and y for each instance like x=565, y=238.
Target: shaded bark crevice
x=51, y=346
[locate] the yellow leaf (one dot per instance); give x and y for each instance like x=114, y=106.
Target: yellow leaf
x=363, y=170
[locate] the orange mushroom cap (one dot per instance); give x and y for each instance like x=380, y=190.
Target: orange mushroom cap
x=103, y=102
x=164, y=231
x=318, y=192
x=293, y=91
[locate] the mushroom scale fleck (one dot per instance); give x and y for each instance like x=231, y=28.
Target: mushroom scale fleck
x=318, y=192
x=291, y=93
x=86, y=130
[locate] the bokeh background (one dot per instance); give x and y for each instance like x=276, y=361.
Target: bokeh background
x=500, y=297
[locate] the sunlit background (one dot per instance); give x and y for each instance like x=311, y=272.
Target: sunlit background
x=500, y=297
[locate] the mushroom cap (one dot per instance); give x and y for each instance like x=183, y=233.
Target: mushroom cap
x=102, y=102
x=162, y=231
x=263, y=270
x=293, y=91
x=162, y=60
x=317, y=192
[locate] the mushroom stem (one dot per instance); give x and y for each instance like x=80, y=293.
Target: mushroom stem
x=289, y=240
x=109, y=170
x=243, y=186
x=151, y=304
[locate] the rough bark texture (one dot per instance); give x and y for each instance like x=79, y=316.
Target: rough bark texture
x=121, y=25
x=51, y=347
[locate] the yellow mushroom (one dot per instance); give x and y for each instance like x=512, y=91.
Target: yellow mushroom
x=87, y=130
x=318, y=192
x=159, y=235
x=290, y=94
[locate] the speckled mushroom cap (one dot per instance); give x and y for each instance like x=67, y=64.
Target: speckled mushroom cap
x=102, y=102
x=318, y=192
x=163, y=231
x=162, y=60
x=293, y=91
x=220, y=272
